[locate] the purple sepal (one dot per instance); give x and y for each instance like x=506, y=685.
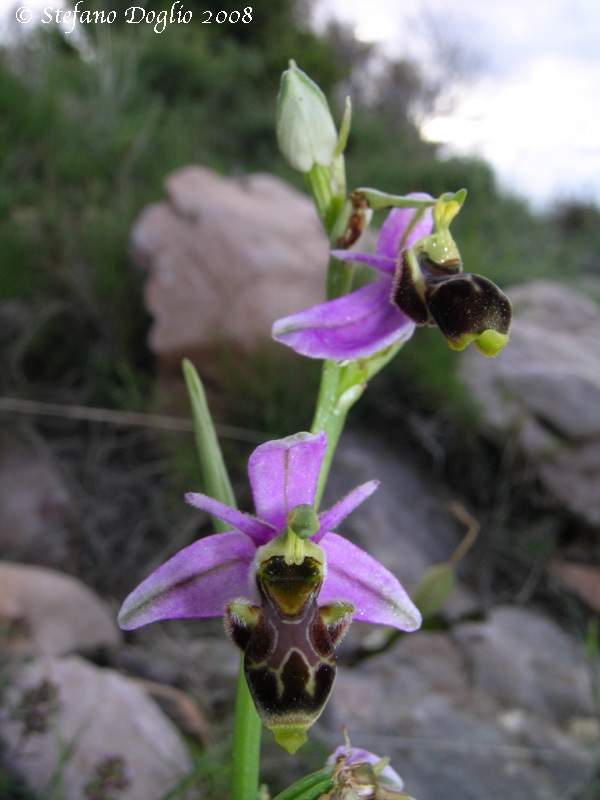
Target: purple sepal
x=355, y=576
x=383, y=264
x=357, y=325
x=259, y=532
x=284, y=473
x=390, y=238
x=329, y=520
x=197, y=582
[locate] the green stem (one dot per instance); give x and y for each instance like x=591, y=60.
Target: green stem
x=246, y=725
x=327, y=419
x=246, y=743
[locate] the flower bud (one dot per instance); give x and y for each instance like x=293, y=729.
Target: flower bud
x=305, y=129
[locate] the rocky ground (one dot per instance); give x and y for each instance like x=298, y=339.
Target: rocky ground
x=496, y=698
x=494, y=703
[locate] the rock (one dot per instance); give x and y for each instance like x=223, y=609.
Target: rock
x=226, y=258
x=462, y=721
x=52, y=614
x=100, y=714
x=544, y=388
x=407, y=524
x=180, y=708
x=524, y=659
x=35, y=508
x=581, y=579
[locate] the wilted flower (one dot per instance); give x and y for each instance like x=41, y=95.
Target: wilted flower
x=359, y=774
x=287, y=586
x=420, y=282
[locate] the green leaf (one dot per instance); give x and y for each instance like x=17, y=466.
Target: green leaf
x=247, y=725
x=214, y=471
x=435, y=588
x=311, y=787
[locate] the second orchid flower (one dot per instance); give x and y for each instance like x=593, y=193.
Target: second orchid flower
x=420, y=282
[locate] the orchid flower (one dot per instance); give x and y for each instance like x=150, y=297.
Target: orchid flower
x=420, y=283
x=361, y=323
x=287, y=586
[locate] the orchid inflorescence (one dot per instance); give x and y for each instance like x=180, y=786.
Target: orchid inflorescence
x=285, y=583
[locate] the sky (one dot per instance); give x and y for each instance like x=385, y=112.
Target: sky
x=532, y=108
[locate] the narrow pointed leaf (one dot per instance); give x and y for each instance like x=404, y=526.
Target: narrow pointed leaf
x=214, y=471
x=311, y=787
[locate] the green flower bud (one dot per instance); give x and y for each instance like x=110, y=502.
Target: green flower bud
x=305, y=129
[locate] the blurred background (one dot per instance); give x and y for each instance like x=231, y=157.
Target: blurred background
x=96, y=449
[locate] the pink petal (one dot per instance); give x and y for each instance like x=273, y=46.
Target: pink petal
x=284, y=473
x=197, y=582
x=332, y=518
x=356, y=577
x=383, y=264
x=357, y=325
x=259, y=532
x=395, y=225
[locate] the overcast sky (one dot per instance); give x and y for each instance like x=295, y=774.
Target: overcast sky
x=533, y=107
x=533, y=110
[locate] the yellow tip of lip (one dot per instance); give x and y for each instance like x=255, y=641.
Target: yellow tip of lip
x=490, y=342
x=290, y=737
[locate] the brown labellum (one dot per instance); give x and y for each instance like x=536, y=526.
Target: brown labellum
x=465, y=304
x=288, y=645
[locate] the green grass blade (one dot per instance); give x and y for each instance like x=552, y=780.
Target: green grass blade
x=214, y=471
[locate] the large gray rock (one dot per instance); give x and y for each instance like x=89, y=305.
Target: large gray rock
x=52, y=614
x=407, y=524
x=36, y=510
x=226, y=258
x=544, y=388
x=99, y=714
x=488, y=710
x=463, y=720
